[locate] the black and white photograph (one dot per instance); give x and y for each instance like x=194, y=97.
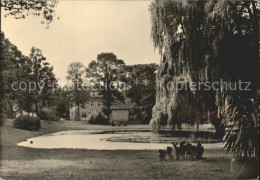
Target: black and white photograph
x=129, y=89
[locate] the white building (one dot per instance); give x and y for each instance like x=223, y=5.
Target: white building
x=92, y=107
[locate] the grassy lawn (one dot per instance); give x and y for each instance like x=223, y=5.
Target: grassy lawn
x=28, y=163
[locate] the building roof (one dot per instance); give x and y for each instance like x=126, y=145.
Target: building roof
x=120, y=106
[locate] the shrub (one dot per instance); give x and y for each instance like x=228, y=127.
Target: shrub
x=242, y=128
x=48, y=114
x=27, y=122
x=98, y=119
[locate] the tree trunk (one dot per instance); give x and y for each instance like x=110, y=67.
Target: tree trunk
x=79, y=112
x=21, y=109
x=198, y=124
x=11, y=111
x=36, y=108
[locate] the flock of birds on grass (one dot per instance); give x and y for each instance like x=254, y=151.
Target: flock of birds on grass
x=183, y=150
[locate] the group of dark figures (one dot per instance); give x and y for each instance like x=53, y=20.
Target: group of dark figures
x=183, y=150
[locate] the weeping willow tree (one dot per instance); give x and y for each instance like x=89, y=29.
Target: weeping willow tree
x=203, y=41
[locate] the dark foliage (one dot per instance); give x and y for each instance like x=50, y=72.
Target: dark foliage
x=204, y=41
x=21, y=8
x=105, y=72
x=49, y=114
x=27, y=122
x=141, y=79
x=98, y=119
x=242, y=128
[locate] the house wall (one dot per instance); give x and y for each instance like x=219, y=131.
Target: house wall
x=91, y=107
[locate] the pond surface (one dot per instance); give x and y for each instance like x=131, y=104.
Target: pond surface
x=119, y=139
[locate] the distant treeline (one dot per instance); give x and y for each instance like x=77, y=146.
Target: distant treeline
x=106, y=69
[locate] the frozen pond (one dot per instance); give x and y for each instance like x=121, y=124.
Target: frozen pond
x=117, y=140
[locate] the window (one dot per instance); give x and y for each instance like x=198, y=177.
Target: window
x=84, y=115
x=91, y=103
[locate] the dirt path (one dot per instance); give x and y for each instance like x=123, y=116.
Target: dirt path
x=28, y=163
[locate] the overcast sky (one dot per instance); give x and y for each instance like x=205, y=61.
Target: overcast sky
x=85, y=29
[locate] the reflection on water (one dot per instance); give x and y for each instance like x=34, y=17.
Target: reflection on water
x=148, y=137
x=113, y=140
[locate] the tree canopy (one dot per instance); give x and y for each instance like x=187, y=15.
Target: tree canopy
x=22, y=8
x=21, y=76
x=204, y=41
x=141, y=81
x=78, y=94
x=105, y=72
